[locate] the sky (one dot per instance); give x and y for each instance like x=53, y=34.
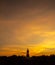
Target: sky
x=27, y=24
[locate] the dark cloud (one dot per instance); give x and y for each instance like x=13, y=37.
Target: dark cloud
x=28, y=3
x=10, y=8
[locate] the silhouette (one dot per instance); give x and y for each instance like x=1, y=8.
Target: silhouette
x=27, y=55
x=22, y=60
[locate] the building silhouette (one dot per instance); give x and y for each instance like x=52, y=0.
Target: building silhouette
x=27, y=54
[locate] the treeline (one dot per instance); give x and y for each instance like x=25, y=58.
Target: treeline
x=22, y=60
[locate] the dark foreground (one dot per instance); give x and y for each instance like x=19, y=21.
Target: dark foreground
x=21, y=60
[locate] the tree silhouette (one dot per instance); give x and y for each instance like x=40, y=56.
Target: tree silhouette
x=22, y=60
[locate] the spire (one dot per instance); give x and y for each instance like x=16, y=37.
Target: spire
x=27, y=55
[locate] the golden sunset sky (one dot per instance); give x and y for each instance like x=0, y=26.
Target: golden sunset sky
x=27, y=24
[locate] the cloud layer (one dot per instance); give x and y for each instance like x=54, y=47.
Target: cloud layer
x=27, y=24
